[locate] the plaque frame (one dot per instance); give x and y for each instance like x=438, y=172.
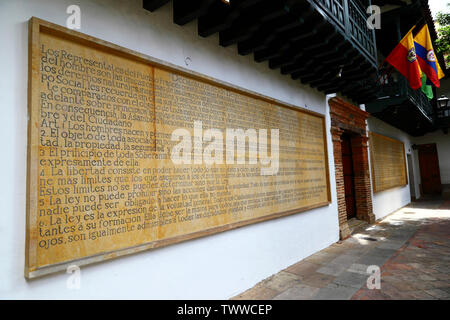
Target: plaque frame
x=35, y=27
x=372, y=163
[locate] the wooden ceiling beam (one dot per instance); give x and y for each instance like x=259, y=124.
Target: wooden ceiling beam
x=186, y=11
x=152, y=5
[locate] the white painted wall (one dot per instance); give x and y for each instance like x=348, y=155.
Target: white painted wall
x=442, y=140
x=214, y=267
x=444, y=89
x=388, y=201
x=443, y=149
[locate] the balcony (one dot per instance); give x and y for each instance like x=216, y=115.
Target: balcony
x=402, y=107
x=350, y=18
x=323, y=43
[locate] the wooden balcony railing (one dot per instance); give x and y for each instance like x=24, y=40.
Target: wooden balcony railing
x=351, y=19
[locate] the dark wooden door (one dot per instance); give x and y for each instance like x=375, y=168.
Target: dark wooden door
x=349, y=186
x=429, y=169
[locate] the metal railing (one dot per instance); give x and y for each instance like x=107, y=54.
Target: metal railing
x=351, y=19
x=421, y=101
x=401, y=88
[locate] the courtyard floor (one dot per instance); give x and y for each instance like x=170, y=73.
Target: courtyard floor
x=411, y=248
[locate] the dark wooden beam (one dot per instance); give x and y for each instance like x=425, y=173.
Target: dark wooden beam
x=275, y=49
x=292, y=35
x=258, y=42
x=265, y=34
x=253, y=18
x=219, y=17
x=316, y=74
x=326, y=77
x=152, y=5
x=270, y=10
x=186, y=11
x=305, y=72
x=297, y=67
x=238, y=32
x=279, y=62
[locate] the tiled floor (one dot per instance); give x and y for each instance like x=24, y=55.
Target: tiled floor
x=410, y=248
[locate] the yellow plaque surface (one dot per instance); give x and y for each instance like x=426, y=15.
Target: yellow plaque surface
x=128, y=153
x=388, y=162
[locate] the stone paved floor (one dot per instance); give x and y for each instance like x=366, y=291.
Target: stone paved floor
x=411, y=247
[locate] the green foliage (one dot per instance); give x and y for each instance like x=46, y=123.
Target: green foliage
x=443, y=41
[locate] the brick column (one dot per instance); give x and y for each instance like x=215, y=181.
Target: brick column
x=363, y=194
x=350, y=119
x=344, y=230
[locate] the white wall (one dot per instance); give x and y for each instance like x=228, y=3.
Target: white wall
x=443, y=149
x=444, y=89
x=388, y=201
x=214, y=267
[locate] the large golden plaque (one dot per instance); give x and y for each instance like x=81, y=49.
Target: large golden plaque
x=128, y=153
x=387, y=157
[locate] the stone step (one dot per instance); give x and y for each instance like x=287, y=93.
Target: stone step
x=356, y=225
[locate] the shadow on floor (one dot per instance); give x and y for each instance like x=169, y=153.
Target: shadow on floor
x=410, y=248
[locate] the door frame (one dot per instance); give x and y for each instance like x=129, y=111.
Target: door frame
x=412, y=186
x=346, y=138
x=346, y=117
x=433, y=148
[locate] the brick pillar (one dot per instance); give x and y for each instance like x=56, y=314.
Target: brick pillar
x=351, y=119
x=363, y=194
x=344, y=230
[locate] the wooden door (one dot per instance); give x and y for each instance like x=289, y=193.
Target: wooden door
x=429, y=169
x=349, y=185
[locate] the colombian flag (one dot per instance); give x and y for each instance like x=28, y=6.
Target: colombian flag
x=404, y=59
x=426, y=56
